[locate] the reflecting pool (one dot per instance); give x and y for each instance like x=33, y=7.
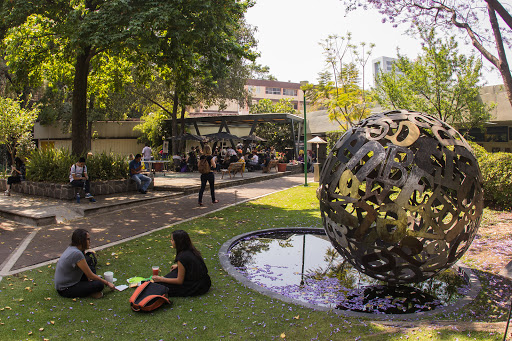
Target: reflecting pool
x=303, y=265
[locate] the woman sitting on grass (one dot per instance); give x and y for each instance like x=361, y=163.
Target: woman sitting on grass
x=189, y=276
x=73, y=276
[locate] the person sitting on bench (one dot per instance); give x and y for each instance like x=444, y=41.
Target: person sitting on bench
x=142, y=180
x=78, y=178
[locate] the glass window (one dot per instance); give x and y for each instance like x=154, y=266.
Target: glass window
x=273, y=91
x=254, y=89
x=475, y=134
x=497, y=134
x=289, y=92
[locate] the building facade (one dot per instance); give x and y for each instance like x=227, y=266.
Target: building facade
x=258, y=90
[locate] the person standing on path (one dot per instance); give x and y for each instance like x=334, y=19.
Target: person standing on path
x=207, y=174
x=146, y=154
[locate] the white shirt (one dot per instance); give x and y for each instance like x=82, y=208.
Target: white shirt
x=78, y=171
x=146, y=152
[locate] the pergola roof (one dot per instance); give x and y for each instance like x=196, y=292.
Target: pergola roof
x=245, y=119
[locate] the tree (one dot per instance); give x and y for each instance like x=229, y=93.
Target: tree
x=440, y=82
x=277, y=135
x=477, y=22
x=16, y=124
x=339, y=88
x=160, y=29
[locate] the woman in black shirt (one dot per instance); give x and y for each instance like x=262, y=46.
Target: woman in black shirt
x=189, y=276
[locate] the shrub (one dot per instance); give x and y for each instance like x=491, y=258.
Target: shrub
x=107, y=167
x=52, y=165
x=496, y=171
x=497, y=177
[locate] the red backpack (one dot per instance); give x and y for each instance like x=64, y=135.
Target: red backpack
x=149, y=296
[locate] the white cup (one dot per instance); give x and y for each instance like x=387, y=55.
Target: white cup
x=109, y=276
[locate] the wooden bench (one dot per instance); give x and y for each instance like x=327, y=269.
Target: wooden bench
x=271, y=164
x=234, y=167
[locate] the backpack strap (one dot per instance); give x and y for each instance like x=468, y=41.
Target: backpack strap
x=137, y=292
x=161, y=300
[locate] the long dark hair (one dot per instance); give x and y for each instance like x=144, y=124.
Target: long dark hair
x=79, y=238
x=182, y=242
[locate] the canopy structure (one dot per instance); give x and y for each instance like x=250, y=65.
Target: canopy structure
x=223, y=123
x=253, y=138
x=222, y=136
x=189, y=137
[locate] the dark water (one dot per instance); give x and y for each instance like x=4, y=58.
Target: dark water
x=275, y=261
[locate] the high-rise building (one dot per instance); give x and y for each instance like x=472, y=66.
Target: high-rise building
x=382, y=65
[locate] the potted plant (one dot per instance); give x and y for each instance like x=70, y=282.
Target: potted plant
x=282, y=161
x=158, y=166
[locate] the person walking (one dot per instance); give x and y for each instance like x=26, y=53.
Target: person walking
x=206, y=167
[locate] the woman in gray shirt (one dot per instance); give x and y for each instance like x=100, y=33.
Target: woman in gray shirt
x=73, y=277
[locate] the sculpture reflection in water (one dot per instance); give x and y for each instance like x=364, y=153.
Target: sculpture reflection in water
x=401, y=196
x=273, y=260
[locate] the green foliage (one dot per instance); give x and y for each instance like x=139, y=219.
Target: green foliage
x=333, y=137
x=107, y=167
x=16, y=125
x=340, y=89
x=53, y=165
x=440, y=82
x=496, y=171
x=277, y=135
x=151, y=128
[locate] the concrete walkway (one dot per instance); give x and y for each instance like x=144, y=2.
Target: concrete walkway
x=23, y=247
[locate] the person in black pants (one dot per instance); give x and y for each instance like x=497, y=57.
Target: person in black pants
x=73, y=276
x=208, y=177
x=18, y=175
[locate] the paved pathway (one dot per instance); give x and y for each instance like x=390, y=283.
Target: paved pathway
x=23, y=247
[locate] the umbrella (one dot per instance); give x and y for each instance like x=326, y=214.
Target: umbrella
x=222, y=136
x=317, y=139
x=253, y=138
x=189, y=137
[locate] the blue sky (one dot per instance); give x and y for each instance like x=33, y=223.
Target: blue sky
x=289, y=32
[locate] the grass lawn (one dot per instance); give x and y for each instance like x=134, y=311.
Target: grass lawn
x=31, y=309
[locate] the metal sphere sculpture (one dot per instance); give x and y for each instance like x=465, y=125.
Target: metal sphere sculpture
x=401, y=196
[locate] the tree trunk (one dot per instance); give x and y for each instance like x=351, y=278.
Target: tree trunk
x=79, y=106
x=182, y=127
x=503, y=63
x=174, y=122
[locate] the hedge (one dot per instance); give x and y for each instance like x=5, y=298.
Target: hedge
x=52, y=165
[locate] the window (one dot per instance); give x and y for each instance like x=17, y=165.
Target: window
x=254, y=89
x=474, y=134
x=295, y=106
x=497, y=134
x=273, y=91
x=289, y=92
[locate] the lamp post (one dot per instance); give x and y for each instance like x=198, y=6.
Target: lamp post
x=305, y=145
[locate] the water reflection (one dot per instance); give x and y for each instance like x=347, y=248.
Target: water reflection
x=306, y=267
